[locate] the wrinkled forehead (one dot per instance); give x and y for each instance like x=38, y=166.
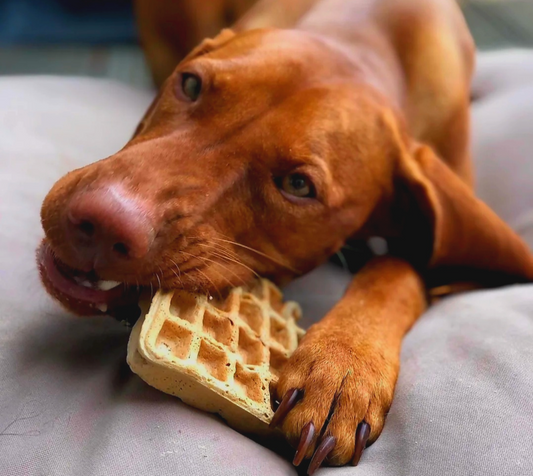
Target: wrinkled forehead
x=326, y=120
x=268, y=57
x=280, y=90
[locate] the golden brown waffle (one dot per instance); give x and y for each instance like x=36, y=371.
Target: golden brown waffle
x=218, y=355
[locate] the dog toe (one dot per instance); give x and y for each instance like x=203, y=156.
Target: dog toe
x=325, y=447
x=334, y=399
x=361, y=438
x=288, y=402
x=306, y=438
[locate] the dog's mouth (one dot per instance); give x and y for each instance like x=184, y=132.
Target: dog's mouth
x=85, y=293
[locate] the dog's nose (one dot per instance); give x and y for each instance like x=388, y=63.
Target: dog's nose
x=107, y=227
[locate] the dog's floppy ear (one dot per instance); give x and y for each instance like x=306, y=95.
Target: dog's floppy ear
x=211, y=44
x=443, y=216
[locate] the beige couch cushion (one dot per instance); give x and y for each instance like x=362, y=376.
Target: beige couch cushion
x=69, y=405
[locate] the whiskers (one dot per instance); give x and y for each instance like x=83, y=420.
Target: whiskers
x=343, y=260
x=260, y=253
x=157, y=276
x=226, y=255
x=225, y=268
x=178, y=273
x=218, y=253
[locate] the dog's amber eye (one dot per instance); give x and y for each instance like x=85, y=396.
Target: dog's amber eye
x=298, y=185
x=191, y=86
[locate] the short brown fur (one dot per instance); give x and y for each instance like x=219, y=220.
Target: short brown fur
x=371, y=100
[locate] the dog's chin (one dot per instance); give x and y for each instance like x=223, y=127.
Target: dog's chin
x=81, y=293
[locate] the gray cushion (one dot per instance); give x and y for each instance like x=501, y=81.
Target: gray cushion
x=70, y=406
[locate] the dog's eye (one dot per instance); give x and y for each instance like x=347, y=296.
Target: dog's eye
x=191, y=86
x=298, y=185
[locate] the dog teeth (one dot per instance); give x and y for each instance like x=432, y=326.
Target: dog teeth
x=83, y=282
x=101, y=285
x=102, y=307
x=107, y=285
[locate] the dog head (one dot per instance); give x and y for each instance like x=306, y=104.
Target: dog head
x=262, y=154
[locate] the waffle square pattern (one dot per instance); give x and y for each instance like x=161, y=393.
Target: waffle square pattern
x=221, y=355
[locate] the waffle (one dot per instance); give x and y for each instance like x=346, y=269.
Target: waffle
x=220, y=356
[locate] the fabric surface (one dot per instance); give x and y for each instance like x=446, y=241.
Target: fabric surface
x=502, y=136
x=69, y=405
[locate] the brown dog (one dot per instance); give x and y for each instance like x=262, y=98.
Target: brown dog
x=265, y=151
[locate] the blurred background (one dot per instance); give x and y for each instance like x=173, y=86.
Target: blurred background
x=98, y=37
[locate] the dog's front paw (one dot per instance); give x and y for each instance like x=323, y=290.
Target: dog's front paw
x=335, y=392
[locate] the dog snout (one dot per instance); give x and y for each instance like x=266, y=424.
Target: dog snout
x=108, y=227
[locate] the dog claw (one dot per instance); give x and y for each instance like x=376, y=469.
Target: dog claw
x=308, y=433
x=286, y=405
x=361, y=437
x=323, y=450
